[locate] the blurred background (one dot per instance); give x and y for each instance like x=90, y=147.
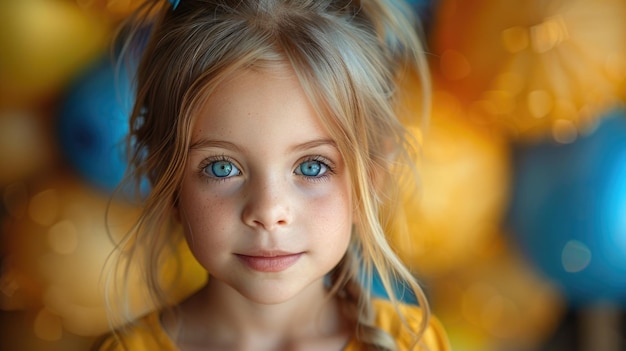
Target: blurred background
x=520, y=229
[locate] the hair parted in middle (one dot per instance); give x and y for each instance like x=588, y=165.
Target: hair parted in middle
x=348, y=57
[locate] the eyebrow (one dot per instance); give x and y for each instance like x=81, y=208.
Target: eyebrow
x=314, y=143
x=208, y=143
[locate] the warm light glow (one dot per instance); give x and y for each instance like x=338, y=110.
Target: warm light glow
x=539, y=103
x=548, y=34
x=557, y=60
x=498, y=317
x=515, y=39
x=48, y=326
x=473, y=301
x=44, y=207
x=503, y=101
x=512, y=82
x=615, y=67
x=63, y=237
x=454, y=65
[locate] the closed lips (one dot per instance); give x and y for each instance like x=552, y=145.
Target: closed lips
x=270, y=262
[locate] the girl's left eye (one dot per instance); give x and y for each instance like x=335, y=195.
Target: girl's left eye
x=312, y=168
x=221, y=169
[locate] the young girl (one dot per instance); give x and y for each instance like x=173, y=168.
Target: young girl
x=269, y=134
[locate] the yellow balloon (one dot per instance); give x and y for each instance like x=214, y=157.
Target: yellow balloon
x=58, y=250
x=114, y=9
x=498, y=298
x=44, y=43
x=536, y=69
x=463, y=191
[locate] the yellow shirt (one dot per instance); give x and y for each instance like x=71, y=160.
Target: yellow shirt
x=149, y=335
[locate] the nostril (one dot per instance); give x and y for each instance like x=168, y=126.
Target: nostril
x=265, y=209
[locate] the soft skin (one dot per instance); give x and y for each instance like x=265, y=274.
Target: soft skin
x=265, y=179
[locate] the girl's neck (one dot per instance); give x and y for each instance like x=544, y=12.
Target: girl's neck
x=218, y=315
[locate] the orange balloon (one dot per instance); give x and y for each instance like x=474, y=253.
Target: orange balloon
x=58, y=249
x=533, y=68
x=461, y=195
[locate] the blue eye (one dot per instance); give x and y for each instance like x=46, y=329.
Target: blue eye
x=312, y=168
x=222, y=169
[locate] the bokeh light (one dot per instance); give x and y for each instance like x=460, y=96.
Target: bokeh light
x=58, y=249
x=533, y=68
x=449, y=221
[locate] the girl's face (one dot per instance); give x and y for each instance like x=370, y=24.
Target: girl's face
x=265, y=199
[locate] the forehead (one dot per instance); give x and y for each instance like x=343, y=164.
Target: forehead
x=254, y=102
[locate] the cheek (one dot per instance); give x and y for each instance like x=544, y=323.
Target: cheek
x=333, y=224
x=203, y=218
x=337, y=214
x=332, y=213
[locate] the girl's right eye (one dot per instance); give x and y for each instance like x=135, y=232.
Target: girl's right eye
x=221, y=169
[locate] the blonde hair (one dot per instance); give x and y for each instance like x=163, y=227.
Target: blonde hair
x=348, y=56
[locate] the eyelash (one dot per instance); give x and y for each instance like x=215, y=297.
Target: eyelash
x=210, y=160
x=330, y=168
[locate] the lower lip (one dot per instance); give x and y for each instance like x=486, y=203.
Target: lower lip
x=270, y=264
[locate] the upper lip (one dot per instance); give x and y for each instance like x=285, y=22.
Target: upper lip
x=268, y=253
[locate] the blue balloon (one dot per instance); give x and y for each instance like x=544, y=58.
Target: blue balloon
x=94, y=121
x=421, y=5
x=401, y=290
x=423, y=9
x=568, y=211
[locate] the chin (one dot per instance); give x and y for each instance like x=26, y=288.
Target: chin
x=277, y=291
x=272, y=295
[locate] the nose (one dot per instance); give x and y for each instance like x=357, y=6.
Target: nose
x=267, y=205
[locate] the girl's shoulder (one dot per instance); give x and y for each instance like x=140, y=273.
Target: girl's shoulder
x=387, y=319
x=146, y=334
